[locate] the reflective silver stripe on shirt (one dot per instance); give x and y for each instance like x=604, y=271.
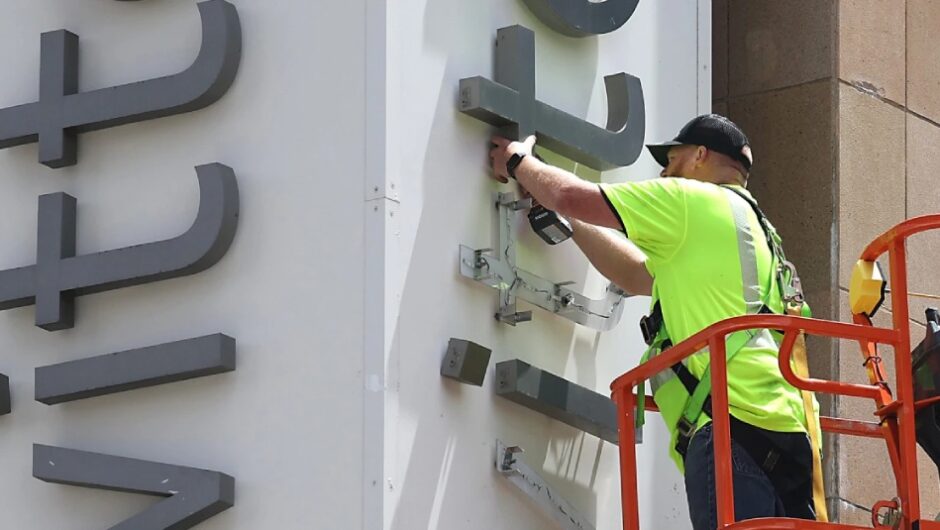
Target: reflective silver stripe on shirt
x=747, y=253
x=662, y=378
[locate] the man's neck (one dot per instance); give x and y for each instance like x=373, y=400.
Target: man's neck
x=729, y=177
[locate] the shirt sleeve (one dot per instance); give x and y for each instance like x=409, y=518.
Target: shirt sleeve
x=653, y=214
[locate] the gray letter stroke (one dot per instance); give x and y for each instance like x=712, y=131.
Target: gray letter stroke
x=62, y=112
x=59, y=275
x=194, y=494
x=510, y=103
x=582, y=18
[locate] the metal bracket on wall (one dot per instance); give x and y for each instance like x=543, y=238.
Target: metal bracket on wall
x=533, y=485
x=500, y=272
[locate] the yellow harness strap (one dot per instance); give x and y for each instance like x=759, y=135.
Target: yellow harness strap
x=802, y=370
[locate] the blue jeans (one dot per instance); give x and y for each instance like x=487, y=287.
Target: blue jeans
x=755, y=493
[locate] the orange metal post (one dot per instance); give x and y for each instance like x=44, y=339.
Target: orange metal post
x=820, y=385
x=873, y=363
x=910, y=506
x=626, y=419
x=893, y=440
x=792, y=524
x=724, y=479
x=868, y=429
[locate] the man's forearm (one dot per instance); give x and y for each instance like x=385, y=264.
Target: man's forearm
x=565, y=193
x=619, y=260
x=547, y=184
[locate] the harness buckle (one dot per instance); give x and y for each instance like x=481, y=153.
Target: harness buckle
x=684, y=431
x=646, y=328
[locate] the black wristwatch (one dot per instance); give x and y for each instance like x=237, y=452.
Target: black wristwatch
x=513, y=163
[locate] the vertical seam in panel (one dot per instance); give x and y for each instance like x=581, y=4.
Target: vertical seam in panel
x=728, y=93
x=704, y=57
x=374, y=278
x=835, y=280
x=907, y=115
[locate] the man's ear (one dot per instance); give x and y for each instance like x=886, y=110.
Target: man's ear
x=701, y=155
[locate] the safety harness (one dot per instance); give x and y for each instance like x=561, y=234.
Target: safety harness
x=657, y=338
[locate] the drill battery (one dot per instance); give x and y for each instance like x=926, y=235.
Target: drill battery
x=550, y=226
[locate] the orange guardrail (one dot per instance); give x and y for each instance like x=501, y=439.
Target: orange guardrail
x=896, y=414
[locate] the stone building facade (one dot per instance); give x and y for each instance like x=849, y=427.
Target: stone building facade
x=841, y=104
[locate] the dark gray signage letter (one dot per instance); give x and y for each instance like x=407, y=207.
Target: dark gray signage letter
x=5, y=401
x=510, y=103
x=59, y=275
x=133, y=369
x=62, y=112
x=582, y=18
x=557, y=398
x=194, y=494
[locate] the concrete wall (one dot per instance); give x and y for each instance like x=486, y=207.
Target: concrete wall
x=287, y=423
x=440, y=460
x=888, y=130
x=840, y=101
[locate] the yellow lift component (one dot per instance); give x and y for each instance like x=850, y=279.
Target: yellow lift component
x=867, y=288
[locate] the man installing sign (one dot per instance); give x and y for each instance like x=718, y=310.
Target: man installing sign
x=699, y=245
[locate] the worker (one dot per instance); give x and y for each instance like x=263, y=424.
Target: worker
x=699, y=245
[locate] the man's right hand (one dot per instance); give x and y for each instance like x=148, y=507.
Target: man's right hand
x=502, y=151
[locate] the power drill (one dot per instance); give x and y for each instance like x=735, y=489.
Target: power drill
x=549, y=226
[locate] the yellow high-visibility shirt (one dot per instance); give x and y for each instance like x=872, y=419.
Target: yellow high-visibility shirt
x=698, y=259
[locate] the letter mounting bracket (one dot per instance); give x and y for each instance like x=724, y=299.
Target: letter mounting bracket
x=500, y=272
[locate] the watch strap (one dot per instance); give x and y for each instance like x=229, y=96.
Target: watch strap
x=513, y=163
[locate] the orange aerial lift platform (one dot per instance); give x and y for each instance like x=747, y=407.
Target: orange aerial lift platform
x=895, y=414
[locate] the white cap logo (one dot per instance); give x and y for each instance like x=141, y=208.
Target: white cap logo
x=746, y=151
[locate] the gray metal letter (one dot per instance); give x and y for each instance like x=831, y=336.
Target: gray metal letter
x=466, y=362
x=132, y=369
x=62, y=112
x=58, y=78
x=558, y=398
x=5, y=401
x=510, y=103
x=194, y=494
x=55, y=242
x=582, y=18
x=59, y=275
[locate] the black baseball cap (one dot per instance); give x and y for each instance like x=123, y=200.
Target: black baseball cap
x=714, y=132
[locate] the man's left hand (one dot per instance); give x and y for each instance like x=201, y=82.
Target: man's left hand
x=504, y=149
